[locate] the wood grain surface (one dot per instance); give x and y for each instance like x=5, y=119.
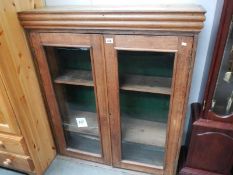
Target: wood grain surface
x=19, y=78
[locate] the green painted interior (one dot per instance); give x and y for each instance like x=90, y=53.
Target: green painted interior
x=77, y=58
x=145, y=63
x=83, y=97
x=146, y=106
x=74, y=58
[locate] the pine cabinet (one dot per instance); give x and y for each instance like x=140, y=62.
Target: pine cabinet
x=15, y=145
x=7, y=119
x=116, y=80
x=26, y=142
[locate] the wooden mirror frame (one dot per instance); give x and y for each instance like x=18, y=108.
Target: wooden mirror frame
x=227, y=14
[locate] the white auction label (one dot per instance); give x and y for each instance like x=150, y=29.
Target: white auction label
x=81, y=122
x=108, y=40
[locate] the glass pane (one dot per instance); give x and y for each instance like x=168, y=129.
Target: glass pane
x=145, y=88
x=70, y=70
x=222, y=102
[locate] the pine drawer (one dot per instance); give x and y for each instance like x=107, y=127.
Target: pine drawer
x=15, y=161
x=13, y=144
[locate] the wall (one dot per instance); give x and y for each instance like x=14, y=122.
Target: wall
x=206, y=38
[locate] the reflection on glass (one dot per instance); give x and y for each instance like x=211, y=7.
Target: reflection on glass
x=145, y=88
x=74, y=88
x=222, y=103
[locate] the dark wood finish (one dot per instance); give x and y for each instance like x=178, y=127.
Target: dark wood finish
x=193, y=171
x=221, y=161
x=155, y=18
x=195, y=111
x=211, y=145
x=76, y=28
x=211, y=148
x=213, y=116
x=226, y=18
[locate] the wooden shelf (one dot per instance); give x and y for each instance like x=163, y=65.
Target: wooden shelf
x=133, y=130
x=128, y=82
x=84, y=142
x=76, y=77
x=143, y=131
x=148, y=154
x=150, y=84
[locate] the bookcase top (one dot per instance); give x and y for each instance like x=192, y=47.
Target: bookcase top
x=169, y=18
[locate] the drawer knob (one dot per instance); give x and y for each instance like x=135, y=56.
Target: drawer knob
x=7, y=162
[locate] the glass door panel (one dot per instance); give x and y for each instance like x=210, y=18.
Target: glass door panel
x=71, y=73
x=145, y=87
x=148, y=82
x=222, y=103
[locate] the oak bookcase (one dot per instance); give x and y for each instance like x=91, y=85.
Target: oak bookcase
x=116, y=80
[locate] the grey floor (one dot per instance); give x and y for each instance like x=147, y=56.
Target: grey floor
x=69, y=166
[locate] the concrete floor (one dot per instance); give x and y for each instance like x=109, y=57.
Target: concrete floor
x=69, y=166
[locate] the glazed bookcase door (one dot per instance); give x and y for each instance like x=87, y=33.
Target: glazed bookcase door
x=147, y=88
x=72, y=72
x=8, y=122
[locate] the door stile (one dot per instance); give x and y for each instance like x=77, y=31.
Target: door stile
x=113, y=97
x=178, y=103
x=99, y=75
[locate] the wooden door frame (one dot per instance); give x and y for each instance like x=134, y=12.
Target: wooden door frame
x=94, y=42
x=183, y=63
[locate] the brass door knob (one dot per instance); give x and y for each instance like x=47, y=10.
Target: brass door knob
x=7, y=162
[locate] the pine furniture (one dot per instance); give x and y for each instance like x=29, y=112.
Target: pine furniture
x=22, y=142
x=24, y=126
x=116, y=80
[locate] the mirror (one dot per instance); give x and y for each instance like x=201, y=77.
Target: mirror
x=222, y=103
